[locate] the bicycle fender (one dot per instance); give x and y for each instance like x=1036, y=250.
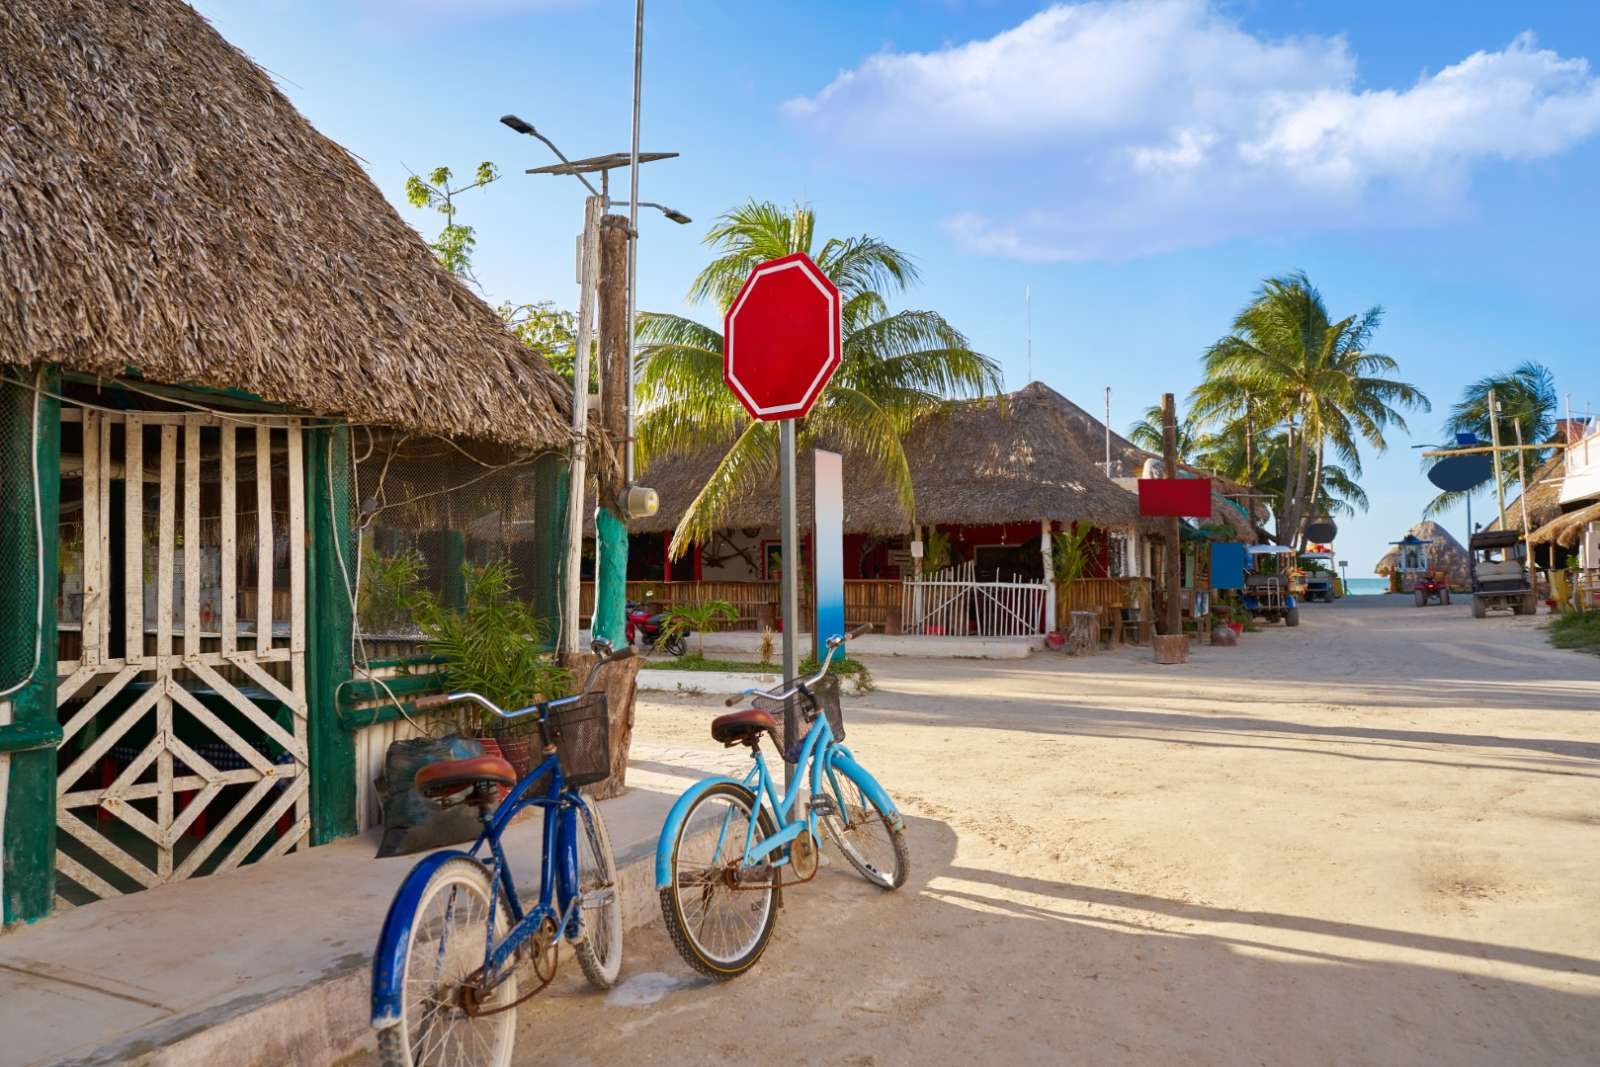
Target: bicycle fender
x=675, y=817
x=843, y=762
x=388, y=963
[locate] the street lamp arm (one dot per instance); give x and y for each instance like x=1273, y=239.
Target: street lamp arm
x=523, y=127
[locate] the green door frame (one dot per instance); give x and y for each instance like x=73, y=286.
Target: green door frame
x=332, y=626
x=29, y=834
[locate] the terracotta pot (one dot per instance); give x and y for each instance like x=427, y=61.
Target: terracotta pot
x=1236, y=627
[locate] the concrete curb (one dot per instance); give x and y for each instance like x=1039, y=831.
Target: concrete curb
x=666, y=680
x=326, y=1021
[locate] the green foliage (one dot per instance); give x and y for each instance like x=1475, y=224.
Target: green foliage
x=1149, y=433
x=896, y=367
x=552, y=332
x=455, y=244
x=853, y=669
x=1071, y=553
x=935, y=552
x=1578, y=630
x=495, y=644
x=388, y=586
x=683, y=619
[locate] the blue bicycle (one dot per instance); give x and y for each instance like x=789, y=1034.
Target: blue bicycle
x=724, y=851
x=445, y=979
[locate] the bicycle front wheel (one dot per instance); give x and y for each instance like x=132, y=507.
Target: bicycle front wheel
x=863, y=832
x=599, y=950
x=720, y=917
x=444, y=953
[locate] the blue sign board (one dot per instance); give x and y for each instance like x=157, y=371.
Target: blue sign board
x=827, y=547
x=1227, y=565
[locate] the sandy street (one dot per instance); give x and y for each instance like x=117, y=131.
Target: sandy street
x=1374, y=839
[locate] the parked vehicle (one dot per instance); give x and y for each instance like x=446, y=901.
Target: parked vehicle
x=1316, y=576
x=1267, y=594
x=729, y=847
x=445, y=977
x=1430, y=587
x=645, y=630
x=1500, y=576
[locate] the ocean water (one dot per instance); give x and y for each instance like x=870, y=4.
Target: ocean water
x=1368, y=586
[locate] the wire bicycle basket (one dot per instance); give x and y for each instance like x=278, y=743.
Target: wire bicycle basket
x=823, y=696
x=581, y=732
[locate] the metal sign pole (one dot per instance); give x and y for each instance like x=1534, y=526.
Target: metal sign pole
x=789, y=594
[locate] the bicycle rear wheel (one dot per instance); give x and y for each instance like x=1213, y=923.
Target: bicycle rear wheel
x=721, y=927
x=600, y=950
x=445, y=948
x=863, y=832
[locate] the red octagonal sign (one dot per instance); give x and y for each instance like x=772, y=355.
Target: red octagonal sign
x=781, y=338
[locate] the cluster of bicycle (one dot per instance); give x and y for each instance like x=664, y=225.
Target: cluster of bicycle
x=461, y=947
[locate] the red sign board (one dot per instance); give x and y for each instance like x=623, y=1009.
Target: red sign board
x=1185, y=497
x=781, y=338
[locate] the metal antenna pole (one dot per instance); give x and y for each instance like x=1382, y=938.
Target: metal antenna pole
x=1027, y=296
x=633, y=239
x=1108, y=431
x=789, y=592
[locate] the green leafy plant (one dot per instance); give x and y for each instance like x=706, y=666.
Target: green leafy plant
x=494, y=644
x=1578, y=630
x=683, y=619
x=389, y=584
x=1072, y=553
x=455, y=243
x=935, y=552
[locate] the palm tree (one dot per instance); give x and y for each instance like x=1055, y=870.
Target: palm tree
x=896, y=366
x=1287, y=366
x=1149, y=434
x=1527, y=399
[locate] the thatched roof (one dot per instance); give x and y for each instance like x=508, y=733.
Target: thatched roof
x=975, y=464
x=1566, y=530
x=163, y=207
x=1444, y=553
x=1544, y=497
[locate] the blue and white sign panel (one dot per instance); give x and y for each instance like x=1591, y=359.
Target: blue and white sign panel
x=827, y=545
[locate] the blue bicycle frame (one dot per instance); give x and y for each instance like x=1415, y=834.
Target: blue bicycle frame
x=558, y=887
x=822, y=758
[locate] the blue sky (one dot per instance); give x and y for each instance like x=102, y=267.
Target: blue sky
x=1140, y=165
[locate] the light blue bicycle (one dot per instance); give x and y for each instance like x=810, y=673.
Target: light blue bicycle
x=724, y=851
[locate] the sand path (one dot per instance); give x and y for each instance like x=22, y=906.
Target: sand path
x=1374, y=839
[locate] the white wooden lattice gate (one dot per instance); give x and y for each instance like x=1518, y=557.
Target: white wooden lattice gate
x=953, y=602
x=187, y=747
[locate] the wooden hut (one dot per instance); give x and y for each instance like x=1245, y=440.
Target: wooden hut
x=993, y=480
x=210, y=319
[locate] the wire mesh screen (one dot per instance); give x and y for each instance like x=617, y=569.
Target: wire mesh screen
x=19, y=543
x=425, y=508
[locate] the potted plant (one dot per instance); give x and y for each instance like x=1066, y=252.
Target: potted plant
x=495, y=645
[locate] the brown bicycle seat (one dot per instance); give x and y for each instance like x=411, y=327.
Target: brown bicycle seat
x=448, y=776
x=743, y=727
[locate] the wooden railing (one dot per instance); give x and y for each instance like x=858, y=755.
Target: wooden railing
x=871, y=601
x=1093, y=594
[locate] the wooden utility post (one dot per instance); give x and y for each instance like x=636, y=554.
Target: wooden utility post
x=1173, y=623
x=1499, y=482
x=611, y=531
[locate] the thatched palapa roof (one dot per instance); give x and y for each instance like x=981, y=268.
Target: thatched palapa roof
x=164, y=208
x=1444, y=553
x=977, y=463
x=1544, y=497
x=1567, y=529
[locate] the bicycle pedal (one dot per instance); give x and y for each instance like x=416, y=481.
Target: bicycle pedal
x=821, y=806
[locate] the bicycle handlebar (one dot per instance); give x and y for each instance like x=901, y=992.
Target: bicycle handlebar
x=772, y=694
x=600, y=646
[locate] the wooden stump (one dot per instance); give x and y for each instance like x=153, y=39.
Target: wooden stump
x=892, y=623
x=1083, y=633
x=620, y=682
x=1171, y=648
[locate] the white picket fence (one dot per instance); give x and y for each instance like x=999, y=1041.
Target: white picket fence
x=953, y=603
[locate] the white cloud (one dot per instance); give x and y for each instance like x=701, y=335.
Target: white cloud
x=1137, y=126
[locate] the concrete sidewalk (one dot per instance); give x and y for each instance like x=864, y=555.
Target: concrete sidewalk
x=268, y=964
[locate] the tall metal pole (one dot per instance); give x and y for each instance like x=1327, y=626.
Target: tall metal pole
x=1522, y=497
x=1108, y=431
x=789, y=592
x=633, y=235
x=1169, y=458
x=588, y=267
x=1494, y=435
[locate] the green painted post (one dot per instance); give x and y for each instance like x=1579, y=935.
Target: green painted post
x=332, y=747
x=611, y=582
x=30, y=816
x=453, y=591
x=550, y=499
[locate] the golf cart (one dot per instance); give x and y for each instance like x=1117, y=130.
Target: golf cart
x=1500, y=574
x=1316, y=570
x=1266, y=594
